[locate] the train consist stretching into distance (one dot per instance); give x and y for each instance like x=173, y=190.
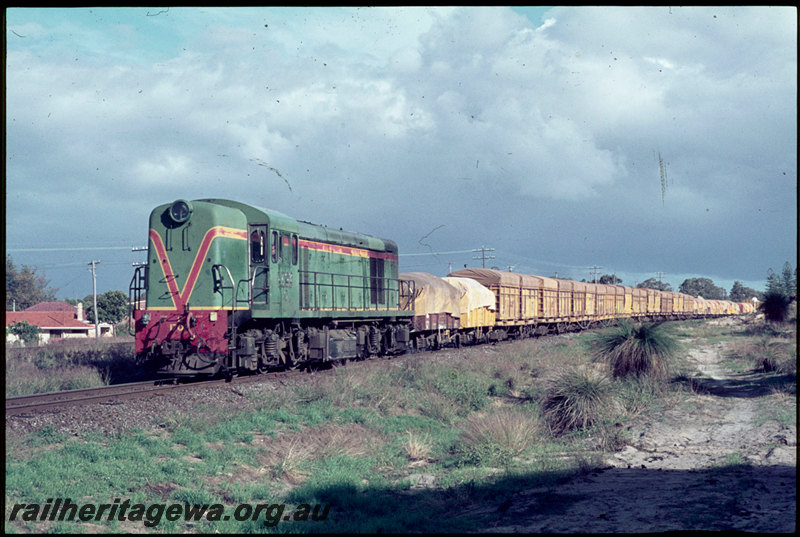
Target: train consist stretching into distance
x=230, y=288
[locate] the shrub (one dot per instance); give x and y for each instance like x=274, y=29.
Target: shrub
x=645, y=349
x=26, y=332
x=775, y=306
x=577, y=399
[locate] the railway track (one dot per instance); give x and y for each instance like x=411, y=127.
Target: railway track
x=116, y=393
x=103, y=394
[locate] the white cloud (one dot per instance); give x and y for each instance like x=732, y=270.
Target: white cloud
x=434, y=113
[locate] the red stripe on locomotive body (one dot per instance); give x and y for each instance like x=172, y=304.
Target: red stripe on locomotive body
x=346, y=250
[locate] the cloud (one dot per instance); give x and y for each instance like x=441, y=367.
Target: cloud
x=395, y=121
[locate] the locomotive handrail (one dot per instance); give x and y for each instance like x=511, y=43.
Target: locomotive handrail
x=312, y=282
x=409, y=295
x=137, y=286
x=232, y=287
x=251, y=288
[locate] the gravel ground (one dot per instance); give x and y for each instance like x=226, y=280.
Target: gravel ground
x=144, y=412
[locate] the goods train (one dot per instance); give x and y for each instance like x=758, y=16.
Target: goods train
x=231, y=288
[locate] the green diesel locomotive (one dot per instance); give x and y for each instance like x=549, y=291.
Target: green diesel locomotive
x=229, y=287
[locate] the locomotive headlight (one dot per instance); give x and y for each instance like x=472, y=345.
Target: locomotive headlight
x=180, y=211
x=146, y=319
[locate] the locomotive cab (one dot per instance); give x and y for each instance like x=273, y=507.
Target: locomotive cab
x=197, y=253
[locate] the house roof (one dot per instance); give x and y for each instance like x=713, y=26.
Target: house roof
x=47, y=319
x=53, y=306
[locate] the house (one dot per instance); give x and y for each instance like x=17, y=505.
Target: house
x=56, y=320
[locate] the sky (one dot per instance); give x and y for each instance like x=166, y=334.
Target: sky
x=643, y=142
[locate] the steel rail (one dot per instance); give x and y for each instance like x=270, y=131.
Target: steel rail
x=115, y=393
x=111, y=393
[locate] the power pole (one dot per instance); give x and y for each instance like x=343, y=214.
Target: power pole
x=483, y=257
x=94, y=294
x=594, y=270
x=659, y=280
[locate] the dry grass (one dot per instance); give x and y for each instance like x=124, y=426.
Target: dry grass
x=290, y=460
x=417, y=447
x=498, y=436
x=23, y=378
x=767, y=354
x=288, y=455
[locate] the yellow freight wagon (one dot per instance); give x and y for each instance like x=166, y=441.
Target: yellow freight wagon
x=532, y=293
x=565, y=302
x=506, y=289
x=619, y=302
x=666, y=302
x=579, y=302
x=477, y=303
x=639, y=297
x=604, y=301
x=627, y=304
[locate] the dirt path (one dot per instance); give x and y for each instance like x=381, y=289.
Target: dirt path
x=719, y=461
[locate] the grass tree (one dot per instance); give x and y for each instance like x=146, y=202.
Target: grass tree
x=776, y=306
x=578, y=398
x=637, y=349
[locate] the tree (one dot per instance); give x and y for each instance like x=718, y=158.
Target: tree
x=703, y=287
x=785, y=283
x=740, y=293
x=112, y=307
x=652, y=283
x=789, y=279
x=609, y=279
x=27, y=332
x=25, y=288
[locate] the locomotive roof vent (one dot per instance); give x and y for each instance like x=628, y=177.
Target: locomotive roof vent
x=180, y=211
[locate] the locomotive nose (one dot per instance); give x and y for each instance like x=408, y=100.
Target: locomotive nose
x=180, y=211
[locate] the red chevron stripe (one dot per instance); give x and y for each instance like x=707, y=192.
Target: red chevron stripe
x=181, y=298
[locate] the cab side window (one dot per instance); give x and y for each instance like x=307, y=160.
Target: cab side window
x=257, y=246
x=274, y=246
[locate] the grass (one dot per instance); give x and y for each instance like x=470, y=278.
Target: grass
x=473, y=427
x=767, y=354
x=497, y=437
x=70, y=364
x=578, y=398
